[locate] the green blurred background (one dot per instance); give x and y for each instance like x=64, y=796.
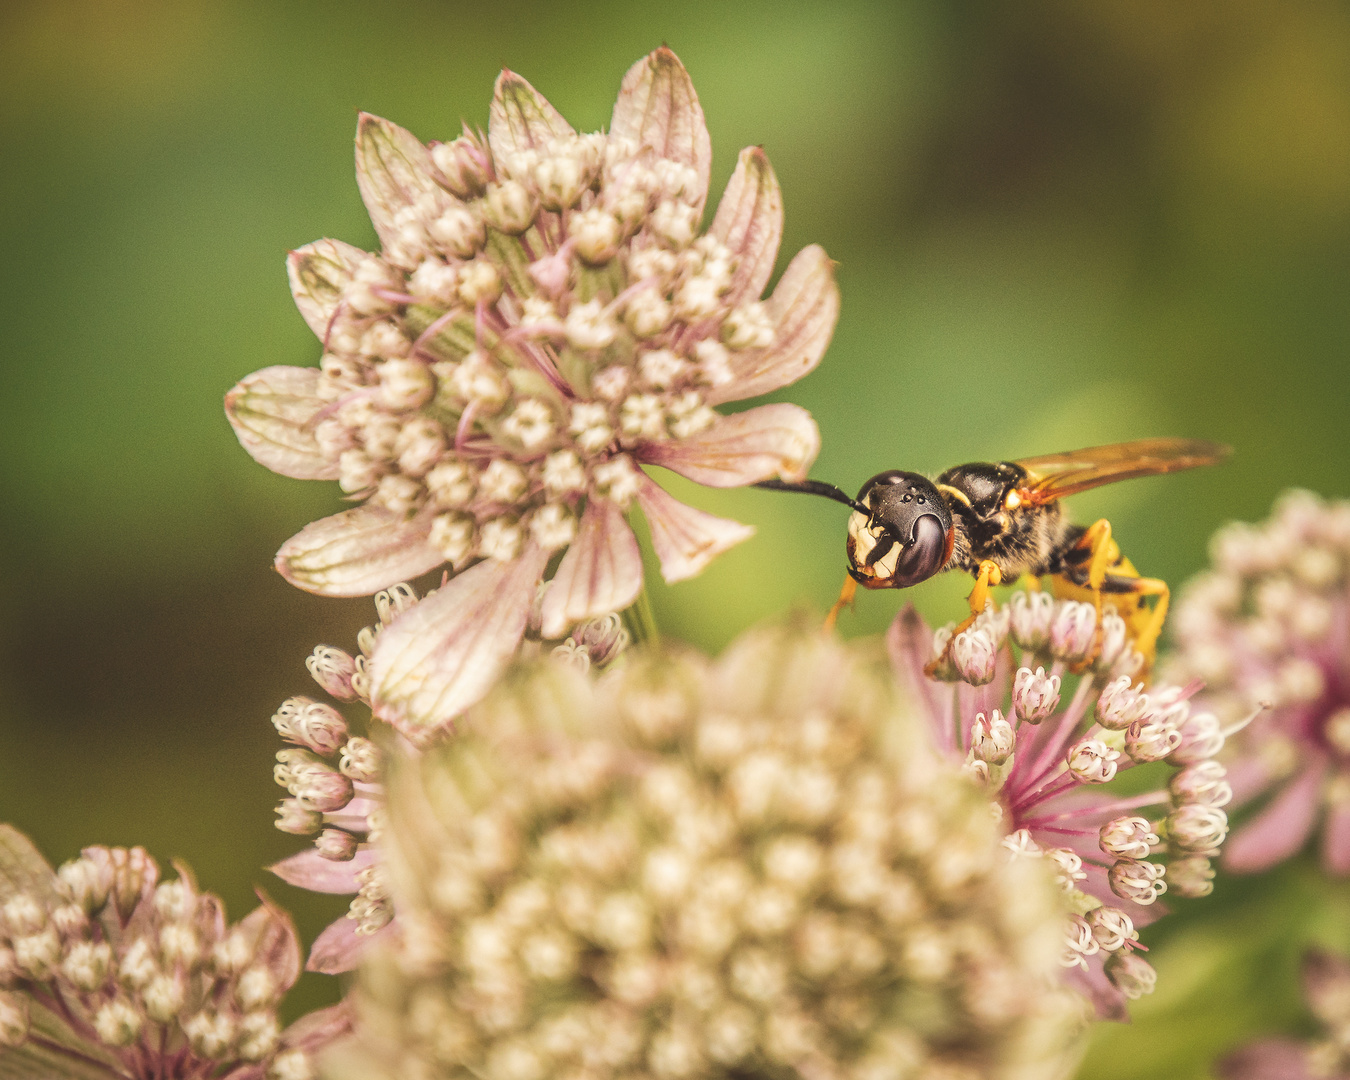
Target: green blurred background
x=1058, y=223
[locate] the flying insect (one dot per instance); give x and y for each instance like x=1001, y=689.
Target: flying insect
x=1001, y=520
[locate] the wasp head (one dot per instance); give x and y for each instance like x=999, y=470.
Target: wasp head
x=904, y=537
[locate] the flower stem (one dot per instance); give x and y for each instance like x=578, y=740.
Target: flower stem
x=640, y=621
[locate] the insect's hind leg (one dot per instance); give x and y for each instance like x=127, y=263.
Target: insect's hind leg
x=1146, y=640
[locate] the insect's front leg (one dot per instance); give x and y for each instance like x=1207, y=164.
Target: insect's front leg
x=986, y=577
x=846, y=595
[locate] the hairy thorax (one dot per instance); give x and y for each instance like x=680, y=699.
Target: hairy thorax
x=1026, y=541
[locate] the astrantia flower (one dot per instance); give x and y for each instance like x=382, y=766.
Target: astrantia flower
x=1043, y=762
x=106, y=969
x=748, y=868
x=544, y=317
x=1326, y=987
x=1269, y=625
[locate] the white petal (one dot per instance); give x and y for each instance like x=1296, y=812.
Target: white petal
x=445, y=652
x=393, y=169
x=520, y=118
x=749, y=221
x=319, y=273
x=357, y=552
x=657, y=107
x=758, y=444
x=601, y=572
x=686, y=539
x=804, y=308
x=271, y=411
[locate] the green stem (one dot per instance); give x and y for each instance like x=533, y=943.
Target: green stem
x=640, y=621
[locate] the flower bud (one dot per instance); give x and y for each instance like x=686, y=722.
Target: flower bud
x=1204, y=783
x=322, y=788
x=210, y=1033
x=464, y=165
x=23, y=915
x=1119, y=705
x=589, y=326
x=992, y=740
x=509, y=207
x=38, y=955
x=1201, y=738
x=458, y=230
x=13, y=1019
x=256, y=988
x=333, y=669
x=1197, y=828
x=405, y=384
x=179, y=943
x=1068, y=867
x=175, y=901
x=311, y=724
x=87, y=965
x=597, y=234
x=1091, y=761
x=1073, y=631
x=360, y=760
x=259, y=1034
x=134, y=874
x=1115, y=639
x=87, y=880
x=163, y=997
x=336, y=844
x=296, y=818
x=748, y=327
x=1035, y=694
x=1131, y=974
x=1192, y=876
x=1128, y=838
x=1134, y=879
x=1111, y=928
x=117, y=1022
x=1079, y=942
x=1150, y=741
x=974, y=655
x=291, y=1065
x=1030, y=615
x=647, y=313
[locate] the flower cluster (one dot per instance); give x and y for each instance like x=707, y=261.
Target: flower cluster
x=691, y=870
x=1044, y=765
x=1268, y=627
x=104, y=964
x=544, y=317
x=1326, y=988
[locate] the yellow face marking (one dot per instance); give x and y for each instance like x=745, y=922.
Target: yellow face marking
x=1013, y=501
x=864, y=540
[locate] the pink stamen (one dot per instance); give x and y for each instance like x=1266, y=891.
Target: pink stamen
x=435, y=328
x=394, y=297
x=466, y=419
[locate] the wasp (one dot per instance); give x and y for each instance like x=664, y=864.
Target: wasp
x=1000, y=521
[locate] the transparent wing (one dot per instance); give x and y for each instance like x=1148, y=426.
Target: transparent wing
x=1053, y=476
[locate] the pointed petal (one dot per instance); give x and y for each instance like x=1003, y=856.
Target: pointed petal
x=317, y=1029
x=320, y=273
x=357, y=552
x=445, y=652
x=275, y=944
x=657, y=107
x=750, y=222
x=770, y=441
x=309, y=870
x=1336, y=839
x=520, y=118
x=22, y=867
x=686, y=539
x=804, y=308
x=1268, y=1059
x=338, y=947
x=909, y=644
x=601, y=572
x=271, y=411
x=1281, y=828
x=393, y=169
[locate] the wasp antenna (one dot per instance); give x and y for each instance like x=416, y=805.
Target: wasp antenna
x=814, y=487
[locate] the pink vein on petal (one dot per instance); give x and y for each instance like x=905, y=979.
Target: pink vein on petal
x=601, y=572
x=658, y=108
x=749, y=222
x=686, y=539
x=357, y=552
x=271, y=411
x=758, y=444
x=309, y=870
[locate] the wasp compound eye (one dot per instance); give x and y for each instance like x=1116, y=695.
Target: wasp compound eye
x=924, y=555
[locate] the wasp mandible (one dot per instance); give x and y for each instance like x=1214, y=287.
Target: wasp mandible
x=1002, y=520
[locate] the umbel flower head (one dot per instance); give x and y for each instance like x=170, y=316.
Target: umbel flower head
x=1326, y=988
x=1043, y=762
x=685, y=869
x=1268, y=628
x=544, y=317
x=108, y=971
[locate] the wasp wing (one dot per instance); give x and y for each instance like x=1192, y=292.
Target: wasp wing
x=1053, y=476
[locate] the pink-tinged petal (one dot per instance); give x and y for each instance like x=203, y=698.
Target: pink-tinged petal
x=803, y=308
x=445, y=652
x=1269, y=1059
x=1109, y=1002
x=749, y=222
x=1336, y=839
x=521, y=119
x=320, y=273
x=1280, y=829
x=357, y=552
x=1248, y=776
x=758, y=444
x=271, y=411
x=601, y=572
x=315, y=1030
x=657, y=107
x=273, y=940
x=393, y=170
x=909, y=644
x=309, y=870
x=338, y=947
x=686, y=539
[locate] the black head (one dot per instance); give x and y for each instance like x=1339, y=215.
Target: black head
x=905, y=534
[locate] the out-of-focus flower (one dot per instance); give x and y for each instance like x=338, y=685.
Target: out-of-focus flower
x=104, y=965
x=750, y=867
x=1269, y=626
x=1326, y=988
x=544, y=317
x=1043, y=763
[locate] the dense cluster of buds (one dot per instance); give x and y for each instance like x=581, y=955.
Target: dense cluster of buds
x=1326, y=988
x=544, y=317
x=1268, y=628
x=686, y=869
x=1044, y=761
x=104, y=964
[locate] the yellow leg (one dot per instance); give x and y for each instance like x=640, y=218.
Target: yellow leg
x=1147, y=640
x=846, y=595
x=989, y=574
x=1098, y=539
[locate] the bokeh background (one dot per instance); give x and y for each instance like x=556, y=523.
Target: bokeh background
x=1057, y=223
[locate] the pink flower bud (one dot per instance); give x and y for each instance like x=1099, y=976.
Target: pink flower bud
x=1128, y=837
x=134, y=876
x=974, y=656
x=509, y=207
x=360, y=760
x=1035, y=694
x=464, y=165
x=1131, y=974
x=333, y=669
x=992, y=740
x=1079, y=942
x=551, y=272
x=1146, y=742
x=405, y=384
x=311, y=724
x=1072, y=631
x=336, y=844
x=1111, y=928
x=1091, y=761
x=296, y=818
x=1204, y=783
x=322, y=788
x=1119, y=706
x=1201, y=739
x=1030, y=615
x=87, y=880
x=22, y=914
x=1197, y=828
x=1134, y=879
x=1115, y=640
x=1192, y=876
